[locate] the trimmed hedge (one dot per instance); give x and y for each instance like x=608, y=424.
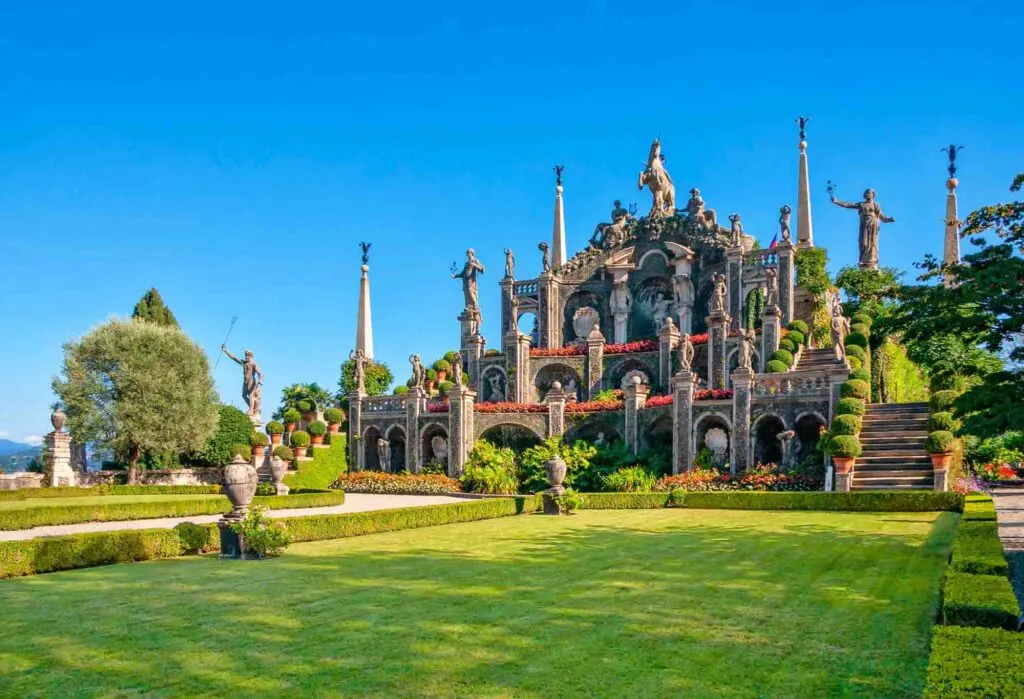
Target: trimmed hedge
x=857, y=352
x=979, y=508
x=854, y=388
x=861, y=328
x=940, y=442
x=977, y=549
x=853, y=362
x=858, y=339
x=774, y=366
x=882, y=501
x=979, y=600
x=798, y=326
x=860, y=374
x=845, y=425
x=114, y=511
x=844, y=446
x=783, y=356
x=943, y=421
x=974, y=662
x=942, y=401
x=51, y=553
x=34, y=493
x=788, y=345
x=796, y=336
x=862, y=318
x=850, y=406
x=624, y=501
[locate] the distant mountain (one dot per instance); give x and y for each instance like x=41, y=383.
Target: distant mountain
x=9, y=447
x=15, y=456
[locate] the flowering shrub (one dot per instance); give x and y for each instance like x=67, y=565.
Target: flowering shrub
x=713, y=394
x=594, y=406
x=658, y=401
x=763, y=477
x=997, y=472
x=438, y=406
x=568, y=351
x=630, y=347
x=970, y=484
x=396, y=483
x=507, y=407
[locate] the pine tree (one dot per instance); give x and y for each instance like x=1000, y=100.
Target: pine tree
x=151, y=308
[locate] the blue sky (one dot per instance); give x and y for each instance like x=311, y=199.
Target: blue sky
x=232, y=154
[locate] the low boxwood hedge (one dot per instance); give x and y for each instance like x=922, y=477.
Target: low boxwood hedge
x=882, y=501
x=51, y=553
x=856, y=351
x=974, y=662
x=788, y=345
x=979, y=508
x=855, y=388
x=798, y=326
x=624, y=501
x=845, y=425
x=774, y=366
x=781, y=355
x=796, y=336
x=39, y=493
x=979, y=600
x=977, y=549
x=850, y=406
x=860, y=374
x=858, y=339
x=853, y=362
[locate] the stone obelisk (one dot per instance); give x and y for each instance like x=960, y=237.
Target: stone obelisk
x=364, y=325
x=804, y=228
x=558, y=257
x=951, y=249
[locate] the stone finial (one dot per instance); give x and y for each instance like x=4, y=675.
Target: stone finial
x=57, y=419
x=556, y=385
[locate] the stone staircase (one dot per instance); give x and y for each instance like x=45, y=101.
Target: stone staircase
x=894, y=458
x=816, y=359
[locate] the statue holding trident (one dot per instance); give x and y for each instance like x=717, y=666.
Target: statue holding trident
x=657, y=179
x=871, y=219
x=252, y=379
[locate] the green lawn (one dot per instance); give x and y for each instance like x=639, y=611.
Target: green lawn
x=604, y=603
x=97, y=500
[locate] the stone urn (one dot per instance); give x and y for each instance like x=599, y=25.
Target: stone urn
x=57, y=419
x=556, y=471
x=278, y=467
x=239, y=483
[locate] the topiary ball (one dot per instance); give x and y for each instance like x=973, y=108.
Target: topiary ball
x=796, y=336
x=258, y=439
x=275, y=427
x=444, y=386
x=855, y=388
x=788, y=345
x=940, y=442
x=334, y=415
x=318, y=428
x=300, y=439
x=845, y=424
x=861, y=375
x=284, y=453
x=850, y=406
x=942, y=422
x=401, y=390
x=783, y=356
x=856, y=351
x=858, y=339
x=942, y=401
x=853, y=362
x=774, y=366
x=861, y=328
x=862, y=319
x=799, y=326
x=243, y=450
x=844, y=446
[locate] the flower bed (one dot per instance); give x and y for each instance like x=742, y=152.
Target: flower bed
x=594, y=406
x=659, y=401
x=438, y=406
x=630, y=347
x=997, y=472
x=568, y=351
x=713, y=394
x=761, y=477
x=400, y=483
x=507, y=407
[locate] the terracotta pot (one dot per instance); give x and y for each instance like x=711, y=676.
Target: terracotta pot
x=58, y=419
x=441, y=376
x=941, y=462
x=556, y=471
x=278, y=467
x=429, y=385
x=332, y=427
x=275, y=439
x=844, y=464
x=239, y=483
x=290, y=427
x=299, y=451
x=317, y=439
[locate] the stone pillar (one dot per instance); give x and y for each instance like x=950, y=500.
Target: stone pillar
x=415, y=404
x=843, y=481
x=59, y=473
x=364, y=326
x=507, y=321
x=787, y=270
x=771, y=333
x=355, y=430
x=555, y=399
x=951, y=249
x=636, y=396
x=668, y=341
x=718, y=323
x=941, y=476
x=734, y=281
x=460, y=428
x=682, y=422
x=474, y=351
x=549, y=315
x=742, y=380
x=593, y=366
x=804, y=231
x=558, y=254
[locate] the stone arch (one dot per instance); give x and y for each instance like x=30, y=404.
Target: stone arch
x=370, y=436
x=427, y=435
x=766, y=446
x=623, y=368
x=594, y=432
x=563, y=373
x=580, y=299
x=733, y=359
x=514, y=436
x=658, y=436
x=651, y=293
x=647, y=261
x=706, y=422
x=493, y=384
x=527, y=323
x=807, y=426
x=395, y=434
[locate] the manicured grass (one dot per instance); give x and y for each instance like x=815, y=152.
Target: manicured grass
x=327, y=464
x=98, y=500
x=605, y=603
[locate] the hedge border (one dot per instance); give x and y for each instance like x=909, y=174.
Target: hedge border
x=69, y=492
x=974, y=662
x=977, y=549
x=979, y=600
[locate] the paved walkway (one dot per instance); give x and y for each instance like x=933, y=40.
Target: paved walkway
x=354, y=502
x=1010, y=511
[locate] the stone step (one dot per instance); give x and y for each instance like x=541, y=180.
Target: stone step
x=889, y=460
x=912, y=477
x=859, y=472
x=898, y=486
x=877, y=444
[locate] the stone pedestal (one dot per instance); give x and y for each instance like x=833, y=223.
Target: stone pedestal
x=517, y=366
x=843, y=481
x=59, y=473
x=415, y=404
x=474, y=351
x=356, y=454
x=668, y=341
x=742, y=380
x=941, y=476
x=555, y=399
x=460, y=428
x=786, y=281
x=508, y=322
x=734, y=280
x=682, y=422
x=718, y=323
x=593, y=366
x=636, y=395
x=771, y=333
x=549, y=314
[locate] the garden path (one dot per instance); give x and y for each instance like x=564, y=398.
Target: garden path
x=1010, y=512
x=354, y=502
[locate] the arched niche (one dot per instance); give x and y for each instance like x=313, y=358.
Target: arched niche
x=396, y=436
x=518, y=438
x=767, y=448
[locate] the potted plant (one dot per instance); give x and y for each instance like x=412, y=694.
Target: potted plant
x=844, y=450
x=442, y=367
x=429, y=377
x=300, y=440
x=258, y=441
x=940, y=444
x=291, y=419
x=334, y=417
x=260, y=536
x=275, y=429
x=317, y=430
x=243, y=450
x=307, y=409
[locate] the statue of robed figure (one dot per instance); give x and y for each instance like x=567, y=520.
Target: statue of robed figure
x=468, y=275
x=871, y=219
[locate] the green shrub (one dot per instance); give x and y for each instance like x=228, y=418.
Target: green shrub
x=626, y=501
x=979, y=600
x=490, y=469
x=305, y=406
x=858, y=353
x=275, y=427
x=850, y=406
x=258, y=439
x=291, y=416
x=40, y=493
x=316, y=429
x=442, y=365
x=940, y=442
x=853, y=362
x=979, y=508
x=300, y=438
x=444, y=387
x=401, y=390
x=844, y=446
x=942, y=401
x=788, y=345
x=972, y=663
x=266, y=489
x=243, y=450
x=51, y=553
x=977, y=549
x=858, y=339
x=862, y=319
x=845, y=425
x=942, y=422
x=335, y=416
x=796, y=336
x=634, y=479
x=233, y=427
x=873, y=501
x=569, y=501
x=776, y=367
x=582, y=471
x=261, y=536
x=196, y=538
x=860, y=329
x=855, y=388
x=452, y=357
x=284, y=453
x=861, y=375
x=783, y=356
x=798, y=326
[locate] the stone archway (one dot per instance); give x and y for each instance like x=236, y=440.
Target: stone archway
x=564, y=374
x=371, y=462
x=396, y=436
x=658, y=438
x=518, y=438
x=701, y=429
x=808, y=428
x=428, y=437
x=528, y=325
x=629, y=366
x=767, y=448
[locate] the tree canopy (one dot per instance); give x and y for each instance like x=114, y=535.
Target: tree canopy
x=378, y=379
x=151, y=308
x=294, y=394
x=136, y=387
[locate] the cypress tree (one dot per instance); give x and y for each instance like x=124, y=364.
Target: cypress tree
x=151, y=308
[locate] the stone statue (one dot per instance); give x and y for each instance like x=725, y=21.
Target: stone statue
x=439, y=445
x=802, y=121
x=457, y=371
x=608, y=235
x=546, y=257
x=746, y=349
x=475, y=320
x=784, y=214
x=698, y=214
x=839, y=327
x=497, y=393
x=686, y=354
x=359, y=361
x=571, y=390
x=558, y=174
x=510, y=263
x=771, y=278
x=718, y=299
x=468, y=275
x=735, y=231
x=660, y=310
x=951, y=151
x=657, y=179
x=685, y=294
x=871, y=219
x=621, y=300
x=417, y=371
x=366, y=251
x=384, y=454
x=252, y=380
x=784, y=439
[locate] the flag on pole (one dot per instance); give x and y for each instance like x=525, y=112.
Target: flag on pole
x=774, y=243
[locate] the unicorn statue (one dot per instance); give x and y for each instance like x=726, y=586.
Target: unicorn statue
x=657, y=179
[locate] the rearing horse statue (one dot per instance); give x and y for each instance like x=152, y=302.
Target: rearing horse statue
x=656, y=177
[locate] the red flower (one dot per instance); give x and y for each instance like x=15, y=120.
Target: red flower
x=507, y=407
x=438, y=406
x=568, y=351
x=631, y=347
x=713, y=394
x=658, y=401
x=594, y=406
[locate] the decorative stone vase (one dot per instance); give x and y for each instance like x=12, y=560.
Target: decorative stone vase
x=57, y=419
x=317, y=439
x=278, y=467
x=299, y=451
x=258, y=455
x=556, y=471
x=941, y=462
x=275, y=439
x=239, y=483
x=844, y=464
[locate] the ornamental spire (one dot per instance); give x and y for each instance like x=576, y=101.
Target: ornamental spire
x=558, y=256
x=364, y=325
x=804, y=227
x=951, y=251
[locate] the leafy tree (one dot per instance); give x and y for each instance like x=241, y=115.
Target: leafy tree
x=292, y=395
x=151, y=308
x=137, y=387
x=233, y=428
x=378, y=379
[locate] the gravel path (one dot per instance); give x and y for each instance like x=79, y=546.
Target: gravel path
x=1010, y=511
x=354, y=502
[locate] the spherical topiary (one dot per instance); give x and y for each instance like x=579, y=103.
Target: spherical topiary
x=318, y=428
x=861, y=328
x=284, y=453
x=258, y=439
x=942, y=401
x=855, y=388
x=844, y=446
x=300, y=439
x=275, y=427
x=858, y=339
x=799, y=326
x=845, y=424
x=430, y=375
x=861, y=375
x=410, y=382
x=796, y=336
x=940, y=442
x=242, y=450
x=291, y=416
x=788, y=345
x=334, y=415
x=401, y=390
x=452, y=357
x=853, y=362
x=850, y=406
x=856, y=351
x=862, y=319
x=783, y=356
x=444, y=386
x=305, y=406
x=944, y=422
x=774, y=366
x=442, y=365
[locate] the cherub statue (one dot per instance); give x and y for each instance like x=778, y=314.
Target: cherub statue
x=546, y=259
x=784, y=214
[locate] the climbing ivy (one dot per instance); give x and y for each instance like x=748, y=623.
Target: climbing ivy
x=894, y=378
x=753, y=309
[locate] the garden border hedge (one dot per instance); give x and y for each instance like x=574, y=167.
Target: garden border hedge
x=974, y=662
x=52, y=553
x=977, y=549
x=979, y=600
x=70, y=492
x=874, y=501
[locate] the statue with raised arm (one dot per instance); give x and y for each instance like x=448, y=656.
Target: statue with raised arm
x=771, y=280
x=252, y=379
x=417, y=371
x=686, y=354
x=510, y=263
x=546, y=257
x=657, y=179
x=871, y=219
x=468, y=275
x=359, y=362
x=784, y=214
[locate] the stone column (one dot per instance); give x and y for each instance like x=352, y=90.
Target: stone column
x=555, y=399
x=734, y=280
x=415, y=404
x=771, y=333
x=549, y=315
x=951, y=249
x=364, y=325
x=466, y=324
x=718, y=323
x=682, y=422
x=787, y=269
x=59, y=473
x=594, y=364
x=474, y=350
x=507, y=322
x=356, y=453
x=460, y=428
x=843, y=481
x=804, y=231
x=941, y=476
x=668, y=341
x=742, y=380
x=636, y=396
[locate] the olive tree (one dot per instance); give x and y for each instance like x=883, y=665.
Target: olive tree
x=137, y=387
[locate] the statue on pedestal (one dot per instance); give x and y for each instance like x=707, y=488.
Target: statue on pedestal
x=784, y=214
x=686, y=354
x=660, y=310
x=417, y=371
x=621, y=302
x=721, y=290
x=510, y=263
x=546, y=257
x=685, y=294
x=252, y=380
x=839, y=327
x=735, y=231
x=359, y=362
x=871, y=219
x=457, y=371
x=657, y=179
x=439, y=445
x=468, y=275
x=746, y=349
x=771, y=278
x=609, y=235
x=384, y=454
x=700, y=216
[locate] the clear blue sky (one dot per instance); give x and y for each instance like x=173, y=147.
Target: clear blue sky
x=232, y=154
